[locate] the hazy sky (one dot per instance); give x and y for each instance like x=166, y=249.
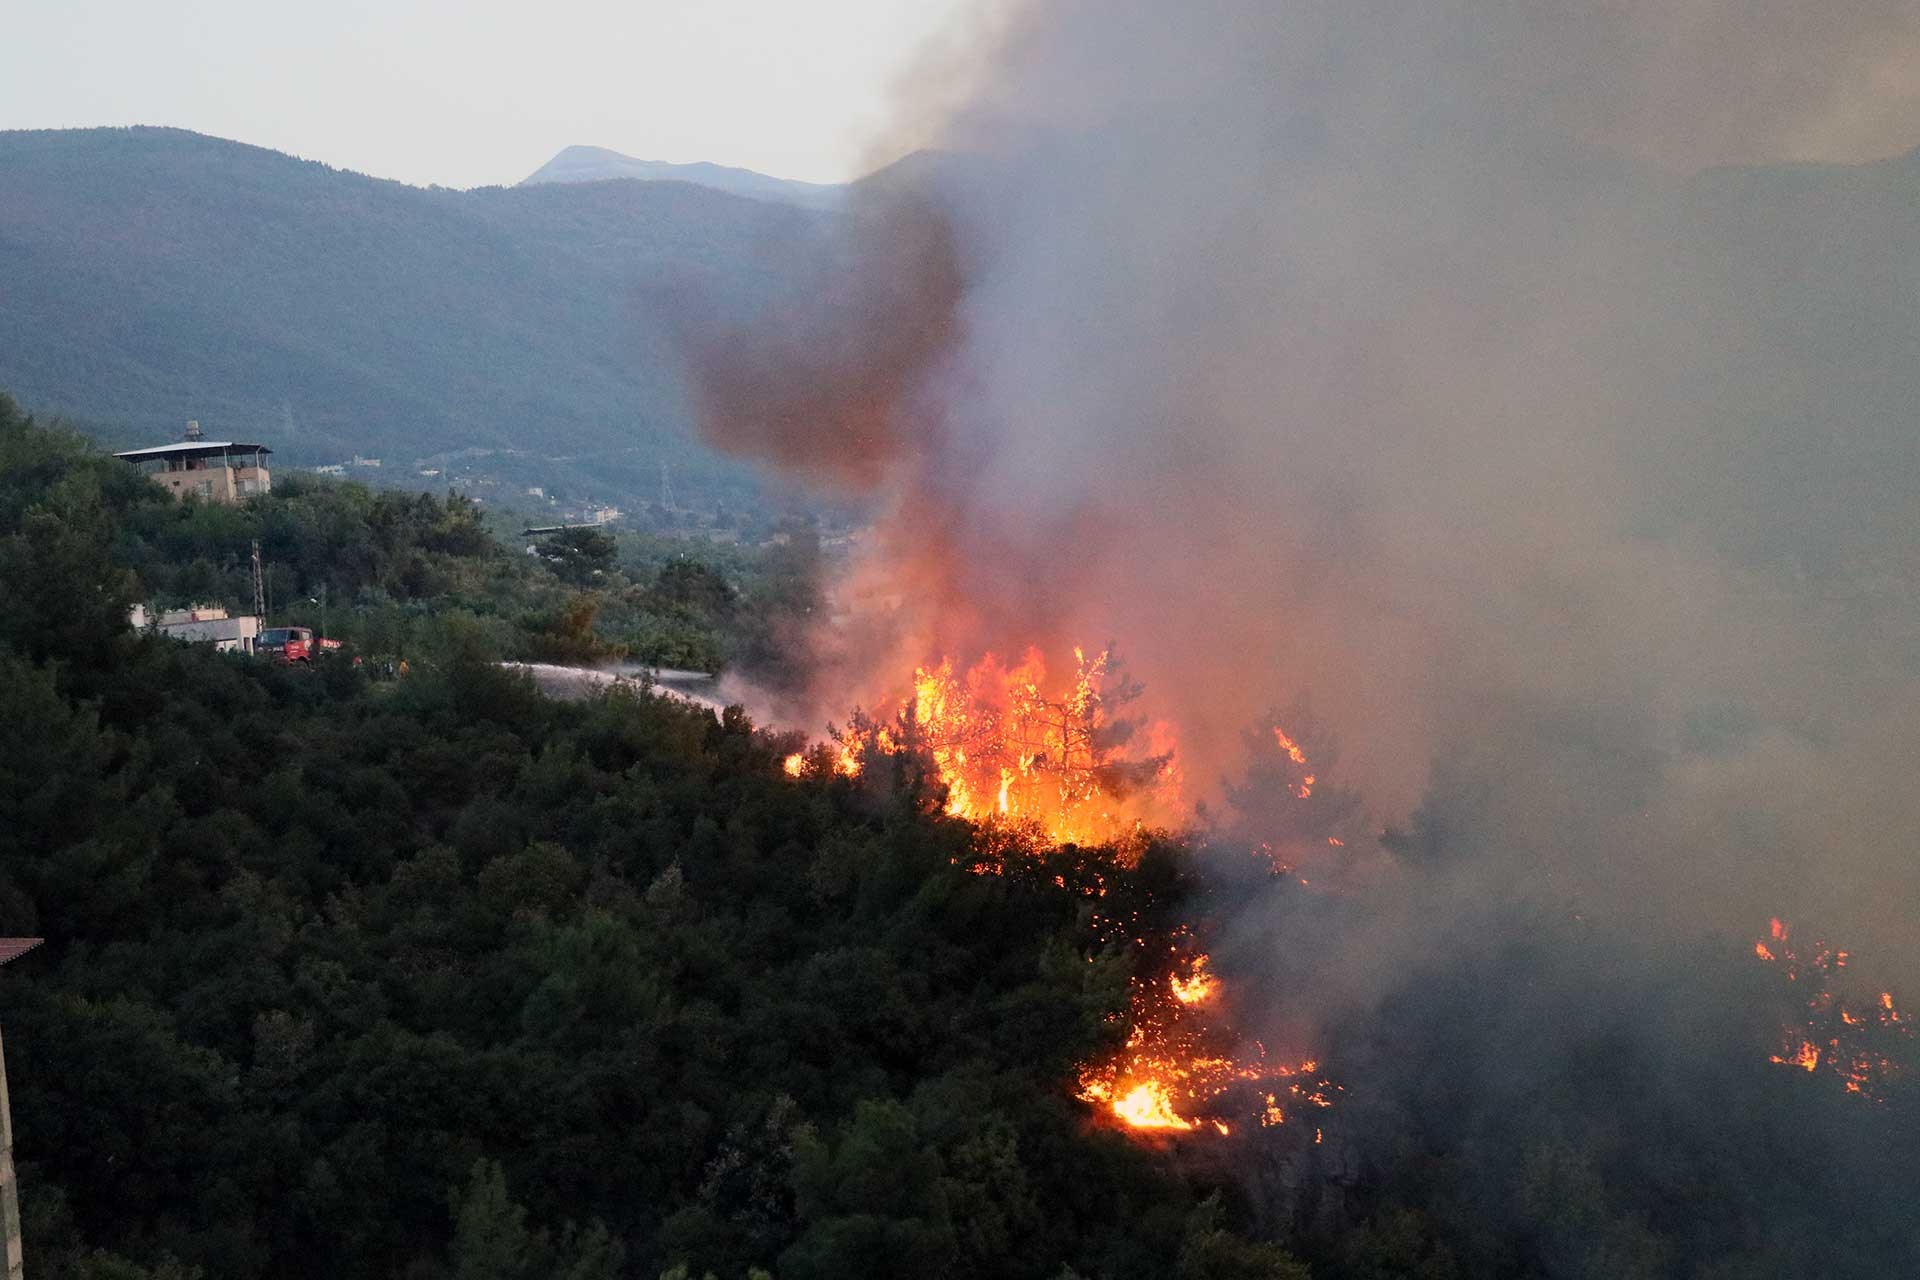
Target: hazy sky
x=468, y=92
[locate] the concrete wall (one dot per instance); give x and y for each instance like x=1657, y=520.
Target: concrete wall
x=222, y=633
x=223, y=484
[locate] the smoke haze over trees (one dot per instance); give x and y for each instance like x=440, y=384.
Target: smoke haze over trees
x=1487, y=374
x=1520, y=399
x=1533, y=389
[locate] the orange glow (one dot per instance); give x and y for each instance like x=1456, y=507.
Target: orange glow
x=795, y=765
x=1037, y=761
x=1298, y=755
x=1289, y=746
x=1008, y=744
x=1181, y=1069
x=1806, y=1056
x=1830, y=1034
x=1146, y=1106
x=1196, y=987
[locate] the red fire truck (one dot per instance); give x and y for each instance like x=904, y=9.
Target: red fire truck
x=288, y=645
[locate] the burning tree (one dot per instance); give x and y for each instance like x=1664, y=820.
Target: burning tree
x=1009, y=747
x=1285, y=805
x=1040, y=764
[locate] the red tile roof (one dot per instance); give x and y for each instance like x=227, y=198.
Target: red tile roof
x=14, y=948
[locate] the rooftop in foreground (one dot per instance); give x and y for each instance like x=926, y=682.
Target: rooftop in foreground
x=192, y=449
x=14, y=948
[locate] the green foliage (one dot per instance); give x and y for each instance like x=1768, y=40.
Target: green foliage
x=491, y=1239
x=1211, y=1252
x=406, y=577
x=437, y=977
x=565, y=634
x=578, y=556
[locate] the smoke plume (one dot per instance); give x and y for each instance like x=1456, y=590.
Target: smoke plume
x=1483, y=372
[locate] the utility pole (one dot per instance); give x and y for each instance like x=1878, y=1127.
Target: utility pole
x=259, y=586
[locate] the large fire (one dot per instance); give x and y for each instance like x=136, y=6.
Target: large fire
x=1849, y=1040
x=1055, y=762
x=1009, y=745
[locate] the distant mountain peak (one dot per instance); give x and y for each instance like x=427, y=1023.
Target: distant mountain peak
x=598, y=164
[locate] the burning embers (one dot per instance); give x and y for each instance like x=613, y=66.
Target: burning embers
x=1009, y=746
x=1849, y=1040
x=1178, y=1070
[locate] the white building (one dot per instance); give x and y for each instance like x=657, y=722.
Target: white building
x=201, y=624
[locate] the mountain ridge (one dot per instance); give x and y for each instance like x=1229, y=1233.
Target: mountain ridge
x=576, y=164
x=157, y=275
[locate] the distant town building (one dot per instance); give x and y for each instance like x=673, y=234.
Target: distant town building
x=10, y=949
x=331, y=469
x=358, y=461
x=213, y=470
x=201, y=624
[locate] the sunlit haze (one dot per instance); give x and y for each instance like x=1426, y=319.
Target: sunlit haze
x=466, y=94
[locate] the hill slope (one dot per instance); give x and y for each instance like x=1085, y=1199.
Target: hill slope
x=155, y=275
x=597, y=164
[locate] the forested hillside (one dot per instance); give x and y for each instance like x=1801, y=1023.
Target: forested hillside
x=438, y=977
x=154, y=275
x=350, y=975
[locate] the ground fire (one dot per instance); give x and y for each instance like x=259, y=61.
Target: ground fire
x=1180, y=1070
x=1850, y=1039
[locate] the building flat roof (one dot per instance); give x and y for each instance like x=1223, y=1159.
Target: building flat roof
x=192, y=449
x=14, y=948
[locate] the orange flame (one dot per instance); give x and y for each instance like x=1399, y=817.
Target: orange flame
x=1846, y=1041
x=1144, y=1106
x=1031, y=759
x=1296, y=754
x=1196, y=987
x=1008, y=745
x=1289, y=746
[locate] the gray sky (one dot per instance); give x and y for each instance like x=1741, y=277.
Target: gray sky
x=475, y=92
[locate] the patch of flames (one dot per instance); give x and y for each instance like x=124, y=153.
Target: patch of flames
x=1181, y=1069
x=1010, y=745
x=1849, y=1040
x=1035, y=762
x=1173, y=1076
